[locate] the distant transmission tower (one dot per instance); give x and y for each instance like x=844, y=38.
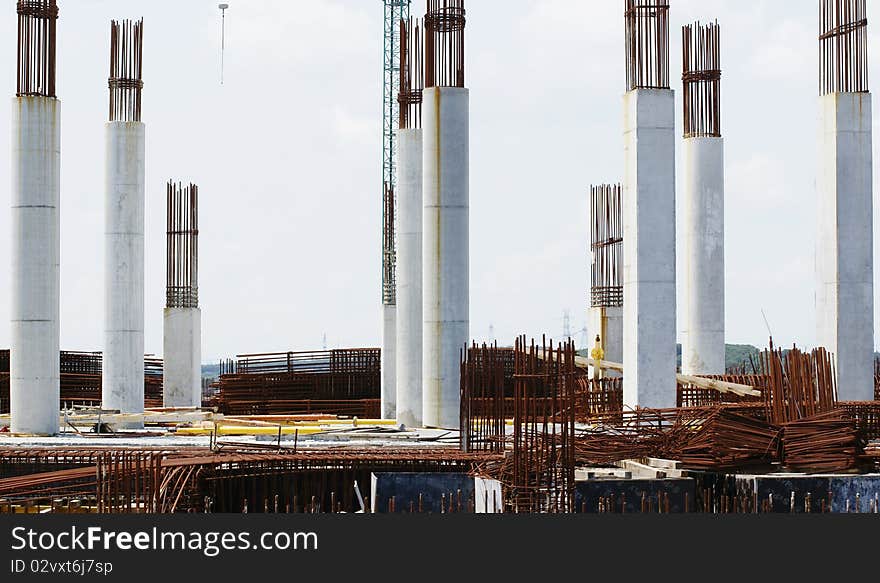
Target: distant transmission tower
x=395, y=10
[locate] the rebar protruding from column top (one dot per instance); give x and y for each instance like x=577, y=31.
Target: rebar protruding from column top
x=126, y=80
x=444, y=43
x=606, y=243
x=389, y=249
x=647, y=44
x=182, y=262
x=701, y=77
x=843, y=47
x=36, y=47
x=412, y=74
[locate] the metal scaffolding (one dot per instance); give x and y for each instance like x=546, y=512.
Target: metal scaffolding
x=395, y=11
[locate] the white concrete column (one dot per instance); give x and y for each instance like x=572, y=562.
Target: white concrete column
x=36, y=255
x=845, y=254
x=607, y=323
x=389, y=362
x=703, y=351
x=445, y=251
x=649, y=341
x=409, y=277
x=123, y=363
x=183, y=357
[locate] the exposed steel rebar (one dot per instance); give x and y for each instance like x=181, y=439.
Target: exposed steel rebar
x=126, y=69
x=606, y=244
x=182, y=262
x=701, y=77
x=445, y=23
x=843, y=47
x=647, y=44
x=412, y=74
x=36, y=47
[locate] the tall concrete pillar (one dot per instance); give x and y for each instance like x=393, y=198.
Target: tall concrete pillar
x=649, y=340
x=703, y=350
x=446, y=252
x=649, y=303
x=36, y=246
x=844, y=253
x=389, y=361
x=123, y=363
x=409, y=278
x=183, y=318
x=409, y=227
x=446, y=214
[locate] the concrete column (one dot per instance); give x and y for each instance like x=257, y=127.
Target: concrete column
x=703, y=351
x=409, y=277
x=649, y=341
x=608, y=324
x=36, y=252
x=123, y=363
x=183, y=357
x=445, y=252
x=389, y=362
x=845, y=255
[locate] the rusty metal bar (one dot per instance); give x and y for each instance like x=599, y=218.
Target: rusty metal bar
x=182, y=263
x=445, y=23
x=126, y=69
x=36, y=47
x=606, y=244
x=412, y=74
x=701, y=77
x=843, y=46
x=647, y=44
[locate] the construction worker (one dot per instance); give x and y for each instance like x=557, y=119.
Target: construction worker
x=598, y=355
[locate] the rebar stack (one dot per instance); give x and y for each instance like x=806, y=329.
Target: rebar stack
x=412, y=74
x=647, y=44
x=36, y=47
x=843, y=46
x=182, y=263
x=444, y=43
x=702, y=80
x=800, y=384
x=606, y=243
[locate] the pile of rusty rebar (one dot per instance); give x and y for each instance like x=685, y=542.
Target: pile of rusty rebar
x=800, y=384
x=81, y=379
x=731, y=441
x=346, y=382
x=828, y=442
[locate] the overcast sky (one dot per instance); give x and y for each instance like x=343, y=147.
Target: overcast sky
x=287, y=157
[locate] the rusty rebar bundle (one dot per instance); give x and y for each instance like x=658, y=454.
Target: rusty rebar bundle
x=606, y=243
x=412, y=74
x=444, y=43
x=389, y=248
x=701, y=77
x=36, y=47
x=182, y=263
x=843, y=47
x=126, y=69
x=647, y=44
